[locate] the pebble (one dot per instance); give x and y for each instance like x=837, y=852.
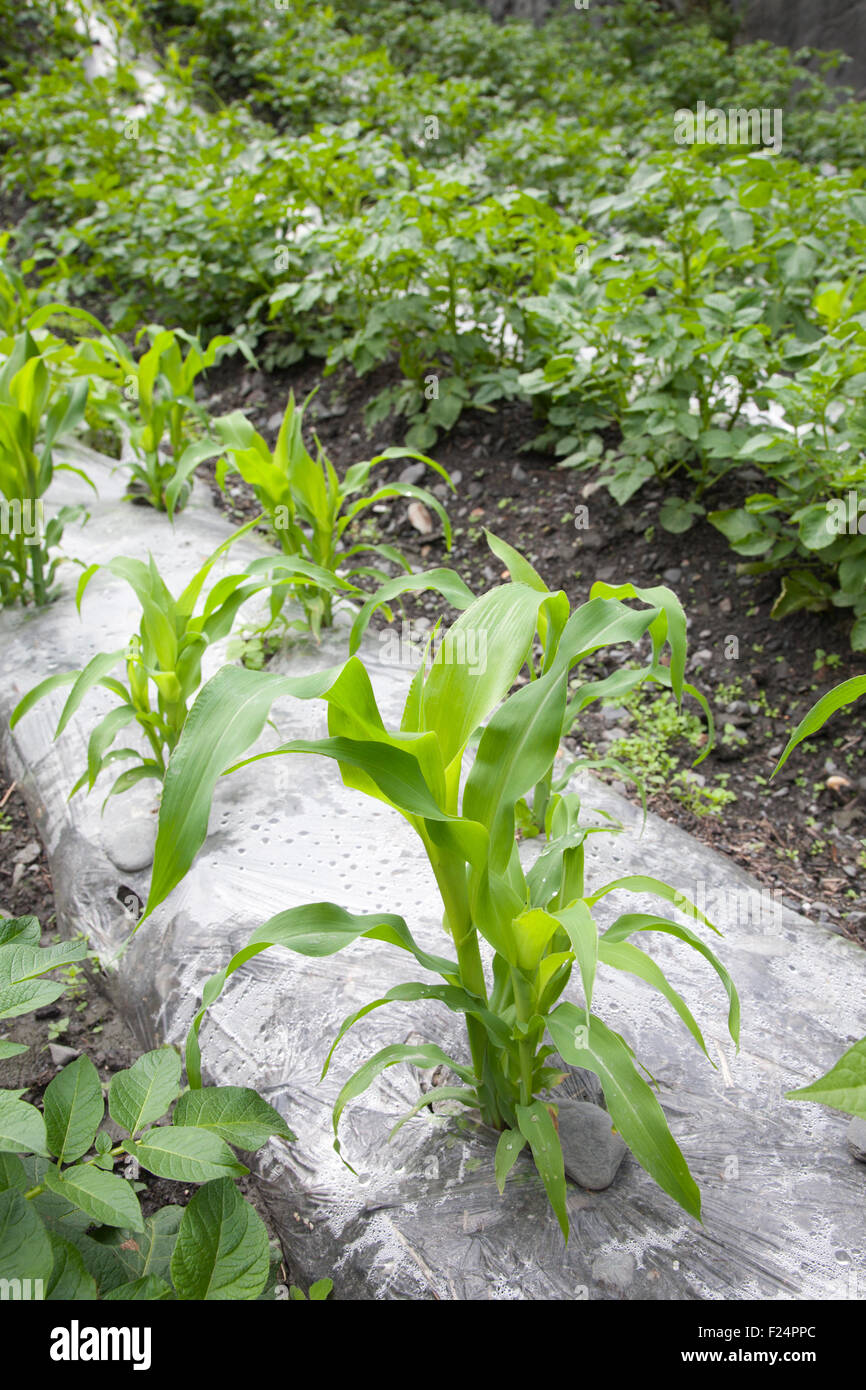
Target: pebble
x=61, y=1055
x=857, y=1138
x=129, y=841
x=592, y=1149
x=616, y=1270
x=672, y=575
x=615, y=714
x=519, y=474
x=28, y=854
x=413, y=473
x=590, y=540
x=725, y=605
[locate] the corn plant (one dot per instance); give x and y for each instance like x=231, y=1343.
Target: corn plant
x=666, y=627
x=35, y=412
x=310, y=507
x=538, y=922
x=844, y=1085
x=162, y=660
x=158, y=403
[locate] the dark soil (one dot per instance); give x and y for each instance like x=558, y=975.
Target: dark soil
x=801, y=836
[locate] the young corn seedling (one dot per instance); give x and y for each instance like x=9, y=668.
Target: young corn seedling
x=35, y=412
x=539, y=922
x=159, y=401
x=310, y=508
x=162, y=660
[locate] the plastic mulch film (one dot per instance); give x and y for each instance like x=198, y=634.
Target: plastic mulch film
x=784, y=1203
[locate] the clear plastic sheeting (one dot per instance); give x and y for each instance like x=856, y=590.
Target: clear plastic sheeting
x=421, y=1218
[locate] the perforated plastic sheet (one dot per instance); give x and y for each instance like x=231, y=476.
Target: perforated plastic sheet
x=784, y=1202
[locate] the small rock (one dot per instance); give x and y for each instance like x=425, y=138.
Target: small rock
x=28, y=854
x=420, y=518
x=589, y=540
x=413, y=473
x=615, y=1270
x=61, y=1055
x=129, y=841
x=592, y=1149
x=857, y=1139
x=725, y=605
x=519, y=474
x=615, y=714
x=274, y=421
x=672, y=575
x=703, y=657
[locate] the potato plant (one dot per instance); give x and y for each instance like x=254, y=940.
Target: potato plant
x=71, y=1225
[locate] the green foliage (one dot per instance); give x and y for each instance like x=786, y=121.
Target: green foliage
x=160, y=386
x=36, y=411
x=311, y=509
x=162, y=661
x=844, y=1085
x=69, y=1220
x=540, y=923
x=502, y=213
x=649, y=751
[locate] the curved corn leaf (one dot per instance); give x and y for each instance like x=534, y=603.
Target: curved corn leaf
x=536, y=1125
x=443, y=581
x=583, y=1040
x=316, y=929
x=423, y=1055
x=629, y=923
x=623, y=956
x=466, y=1096
x=821, y=711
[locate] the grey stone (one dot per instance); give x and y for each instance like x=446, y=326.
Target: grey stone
x=615, y=714
x=413, y=473
x=129, y=840
x=614, y=1270
x=591, y=1147
x=672, y=575
x=857, y=1138
x=28, y=854
x=519, y=474
x=61, y=1055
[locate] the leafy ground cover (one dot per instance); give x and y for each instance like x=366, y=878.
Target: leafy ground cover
x=500, y=220
x=83, y=1021
x=638, y=357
